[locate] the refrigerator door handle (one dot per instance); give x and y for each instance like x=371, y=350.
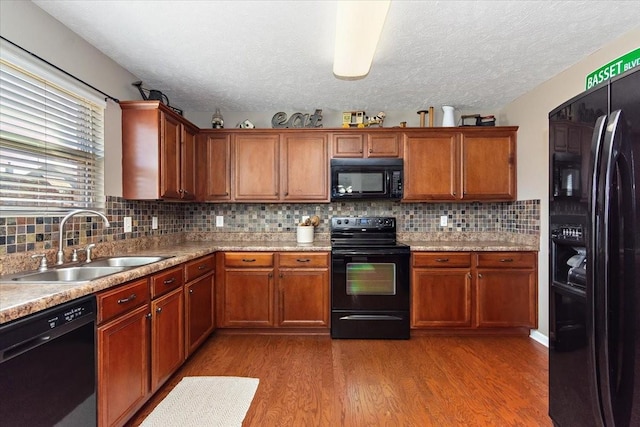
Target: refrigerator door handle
x=615, y=217
x=594, y=224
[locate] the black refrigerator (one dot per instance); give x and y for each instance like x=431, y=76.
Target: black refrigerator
x=594, y=256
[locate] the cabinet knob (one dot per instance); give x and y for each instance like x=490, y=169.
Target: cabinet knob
x=370, y=150
x=281, y=275
x=190, y=291
x=469, y=275
x=148, y=316
x=158, y=310
x=479, y=276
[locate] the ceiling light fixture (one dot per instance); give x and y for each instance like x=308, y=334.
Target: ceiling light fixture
x=358, y=28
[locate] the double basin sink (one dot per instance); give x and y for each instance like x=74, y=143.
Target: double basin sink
x=83, y=272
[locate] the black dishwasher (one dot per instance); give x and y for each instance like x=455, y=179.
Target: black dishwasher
x=48, y=367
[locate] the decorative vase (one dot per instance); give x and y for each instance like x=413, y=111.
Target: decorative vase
x=217, y=122
x=447, y=119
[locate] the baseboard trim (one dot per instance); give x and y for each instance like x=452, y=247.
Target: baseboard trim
x=538, y=336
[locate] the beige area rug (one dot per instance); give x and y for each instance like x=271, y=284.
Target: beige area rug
x=205, y=401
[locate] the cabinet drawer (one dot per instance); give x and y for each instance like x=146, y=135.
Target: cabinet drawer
x=114, y=302
x=303, y=259
x=199, y=267
x=441, y=259
x=166, y=281
x=506, y=259
x=248, y=259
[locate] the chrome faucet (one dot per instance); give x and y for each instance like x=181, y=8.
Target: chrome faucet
x=60, y=254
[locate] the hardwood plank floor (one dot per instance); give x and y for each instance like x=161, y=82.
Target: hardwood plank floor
x=424, y=381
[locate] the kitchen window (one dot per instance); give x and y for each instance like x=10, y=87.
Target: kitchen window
x=51, y=140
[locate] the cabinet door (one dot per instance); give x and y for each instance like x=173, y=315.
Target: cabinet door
x=170, y=137
x=123, y=366
x=167, y=336
x=214, y=167
x=431, y=169
x=506, y=298
x=199, y=305
x=256, y=165
x=303, y=297
x=348, y=144
x=305, y=167
x=247, y=298
x=489, y=165
x=384, y=145
x=188, y=163
x=441, y=297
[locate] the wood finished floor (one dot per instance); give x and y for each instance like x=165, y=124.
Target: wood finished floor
x=425, y=381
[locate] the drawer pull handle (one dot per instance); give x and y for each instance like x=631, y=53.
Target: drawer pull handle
x=129, y=298
x=248, y=260
x=202, y=267
x=442, y=259
x=506, y=260
x=169, y=281
x=303, y=260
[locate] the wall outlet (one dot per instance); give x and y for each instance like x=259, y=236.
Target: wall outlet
x=127, y=224
x=443, y=220
x=154, y=223
x=219, y=221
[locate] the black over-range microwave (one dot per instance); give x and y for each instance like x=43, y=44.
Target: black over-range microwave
x=361, y=179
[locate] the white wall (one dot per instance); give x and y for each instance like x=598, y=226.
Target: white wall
x=530, y=112
x=28, y=26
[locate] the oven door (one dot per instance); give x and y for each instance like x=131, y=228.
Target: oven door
x=370, y=279
x=370, y=293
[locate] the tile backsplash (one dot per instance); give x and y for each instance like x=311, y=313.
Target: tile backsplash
x=23, y=234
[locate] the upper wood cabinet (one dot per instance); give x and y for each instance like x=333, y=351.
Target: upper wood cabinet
x=268, y=166
x=158, y=152
x=304, y=167
x=489, y=165
x=256, y=166
x=431, y=166
x=213, y=167
x=374, y=143
x=466, y=164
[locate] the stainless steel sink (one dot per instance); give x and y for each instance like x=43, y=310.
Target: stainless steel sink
x=68, y=274
x=124, y=261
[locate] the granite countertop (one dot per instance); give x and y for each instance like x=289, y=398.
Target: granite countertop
x=19, y=300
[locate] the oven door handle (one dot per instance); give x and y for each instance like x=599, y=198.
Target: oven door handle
x=370, y=317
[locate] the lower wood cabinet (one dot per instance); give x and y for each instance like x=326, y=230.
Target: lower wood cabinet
x=199, y=302
x=506, y=289
x=466, y=290
x=124, y=351
x=267, y=289
x=146, y=329
x=441, y=294
x=167, y=336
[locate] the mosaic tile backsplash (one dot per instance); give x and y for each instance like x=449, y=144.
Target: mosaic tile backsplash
x=23, y=234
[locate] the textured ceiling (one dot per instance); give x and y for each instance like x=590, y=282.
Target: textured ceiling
x=277, y=55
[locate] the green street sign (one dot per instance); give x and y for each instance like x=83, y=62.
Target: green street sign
x=613, y=68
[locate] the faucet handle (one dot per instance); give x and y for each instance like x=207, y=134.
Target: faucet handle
x=74, y=254
x=43, y=266
x=88, y=251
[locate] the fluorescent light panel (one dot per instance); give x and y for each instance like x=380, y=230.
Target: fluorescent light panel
x=358, y=28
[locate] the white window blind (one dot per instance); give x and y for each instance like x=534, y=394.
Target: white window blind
x=51, y=146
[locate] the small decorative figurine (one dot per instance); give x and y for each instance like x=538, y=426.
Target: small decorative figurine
x=217, y=122
x=376, y=120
